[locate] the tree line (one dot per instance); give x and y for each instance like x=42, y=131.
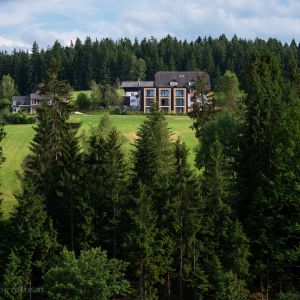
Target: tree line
x=92, y=223
x=108, y=62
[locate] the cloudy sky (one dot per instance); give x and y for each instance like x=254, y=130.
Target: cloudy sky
x=44, y=21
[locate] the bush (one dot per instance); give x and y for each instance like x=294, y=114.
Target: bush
x=19, y=118
x=4, y=103
x=289, y=296
x=89, y=276
x=83, y=101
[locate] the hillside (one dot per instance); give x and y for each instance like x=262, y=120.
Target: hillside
x=15, y=145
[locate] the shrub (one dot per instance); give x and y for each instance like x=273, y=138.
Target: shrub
x=83, y=101
x=19, y=118
x=4, y=103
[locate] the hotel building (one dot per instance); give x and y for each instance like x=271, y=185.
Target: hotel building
x=172, y=90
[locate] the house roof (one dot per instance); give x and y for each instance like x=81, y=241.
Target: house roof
x=134, y=84
x=163, y=78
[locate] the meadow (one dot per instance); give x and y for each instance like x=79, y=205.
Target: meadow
x=16, y=145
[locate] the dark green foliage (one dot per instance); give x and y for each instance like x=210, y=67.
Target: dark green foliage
x=185, y=214
x=5, y=103
x=90, y=276
x=227, y=129
x=153, y=166
x=106, y=178
x=32, y=242
x=181, y=231
x=55, y=165
x=105, y=61
x=19, y=118
x=269, y=175
x=146, y=245
x=203, y=109
x=83, y=101
x=153, y=155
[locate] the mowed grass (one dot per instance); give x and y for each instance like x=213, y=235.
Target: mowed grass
x=16, y=145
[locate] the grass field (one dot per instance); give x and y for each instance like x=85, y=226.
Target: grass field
x=15, y=145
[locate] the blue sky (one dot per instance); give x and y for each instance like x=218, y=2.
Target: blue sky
x=44, y=21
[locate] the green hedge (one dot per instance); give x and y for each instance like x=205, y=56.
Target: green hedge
x=19, y=118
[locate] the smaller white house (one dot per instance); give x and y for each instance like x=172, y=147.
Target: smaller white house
x=28, y=104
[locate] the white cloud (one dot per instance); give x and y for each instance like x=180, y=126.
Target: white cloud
x=45, y=21
x=9, y=44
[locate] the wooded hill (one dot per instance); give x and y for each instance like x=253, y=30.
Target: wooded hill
x=109, y=61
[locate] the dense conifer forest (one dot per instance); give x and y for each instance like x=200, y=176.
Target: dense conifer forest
x=92, y=223
x=107, y=61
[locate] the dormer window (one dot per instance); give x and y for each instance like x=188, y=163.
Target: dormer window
x=191, y=83
x=173, y=82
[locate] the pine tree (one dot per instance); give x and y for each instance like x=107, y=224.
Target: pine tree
x=153, y=163
x=153, y=156
x=267, y=195
x=145, y=245
x=36, y=68
x=55, y=164
x=185, y=215
x=202, y=109
x=106, y=178
x=222, y=238
x=32, y=241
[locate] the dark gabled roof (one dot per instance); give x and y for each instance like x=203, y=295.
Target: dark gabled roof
x=134, y=84
x=163, y=78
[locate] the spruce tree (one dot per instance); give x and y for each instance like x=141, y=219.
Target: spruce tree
x=185, y=216
x=203, y=109
x=268, y=187
x=223, y=237
x=32, y=242
x=153, y=167
x=106, y=181
x=145, y=245
x=55, y=164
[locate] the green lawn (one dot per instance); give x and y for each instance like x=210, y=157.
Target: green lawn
x=15, y=145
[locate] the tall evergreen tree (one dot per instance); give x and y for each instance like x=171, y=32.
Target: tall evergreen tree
x=32, y=243
x=145, y=245
x=55, y=164
x=106, y=178
x=185, y=214
x=153, y=160
x=262, y=178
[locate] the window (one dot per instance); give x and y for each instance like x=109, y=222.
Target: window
x=179, y=93
x=147, y=110
x=165, y=109
x=179, y=110
x=179, y=102
x=149, y=102
x=173, y=83
x=191, y=83
x=164, y=93
x=150, y=93
x=164, y=102
x=132, y=94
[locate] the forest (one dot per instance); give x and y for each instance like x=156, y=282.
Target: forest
x=92, y=223
x=108, y=62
